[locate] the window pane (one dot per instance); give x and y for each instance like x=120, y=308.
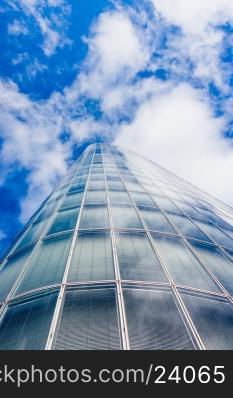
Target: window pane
x=46, y=212
x=154, y=322
x=187, y=228
x=96, y=185
x=72, y=200
x=220, y=265
x=156, y=221
x=137, y=259
x=132, y=186
x=182, y=265
x=11, y=270
x=33, y=233
x=26, y=323
x=152, y=189
x=165, y=204
x=118, y=185
x=88, y=321
x=95, y=197
x=216, y=234
x=119, y=197
x=213, y=318
x=189, y=210
x=77, y=187
x=64, y=221
x=125, y=217
x=92, y=258
x=141, y=198
x=47, y=265
x=94, y=217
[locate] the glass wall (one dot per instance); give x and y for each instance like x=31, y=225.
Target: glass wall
x=139, y=259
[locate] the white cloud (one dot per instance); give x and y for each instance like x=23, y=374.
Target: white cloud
x=179, y=131
x=52, y=29
x=196, y=16
x=81, y=129
x=117, y=51
x=20, y=58
x=35, y=67
x=17, y=28
x=30, y=133
x=201, y=39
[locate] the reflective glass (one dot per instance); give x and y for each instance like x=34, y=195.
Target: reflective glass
x=213, y=319
x=216, y=234
x=72, y=200
x=89, y=321
x=152, y=189
x=47, y=265
x=156, y=221
x=182, y=265
x=46, y=212
x=125, y=217
x=165, y=204
x=219, y=264
x=11, y=270
x=77, y=187
x=95, y=197
x=187, y=227
x=118, y=185
x=33, y=233
x=92, y=258
x=94, y=217
x=131, y=186
x=141, y=198
x=64, y=221
x=119, y=197
x=189, y=210
x=137, y=259
x=154, y=321
x=26, y=323
x=96, y=185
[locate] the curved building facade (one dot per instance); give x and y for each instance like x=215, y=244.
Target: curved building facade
x=122, y=255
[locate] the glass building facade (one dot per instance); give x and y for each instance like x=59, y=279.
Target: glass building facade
x=122, y=255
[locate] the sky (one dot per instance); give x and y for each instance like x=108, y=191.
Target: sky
x=154, y=76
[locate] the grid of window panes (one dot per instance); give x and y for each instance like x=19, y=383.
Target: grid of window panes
x=122, y=255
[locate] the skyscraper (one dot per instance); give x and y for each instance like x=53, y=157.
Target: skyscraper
x=122, y=255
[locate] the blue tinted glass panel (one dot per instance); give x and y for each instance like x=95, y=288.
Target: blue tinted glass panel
x=72, y=200
x=220, y=265
x=94, y=217
x=141, y=198
x=65, y=220
x=156, y=221
x=95, y=197
x=154, y=322
x=33, y=233
x=89, y=321
x=119, y=197
x=125, y=217
x=47, y=265
x=26, y=324
x=216, y=234
x=96, y=185
x=118, y=185
x=92, y=258
x=213, y=318
x=165, y=204
x=11, y=270
x=137, y=259
x=182, y=265
x=187, y=227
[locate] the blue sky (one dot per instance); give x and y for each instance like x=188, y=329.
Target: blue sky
x=152, y=75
